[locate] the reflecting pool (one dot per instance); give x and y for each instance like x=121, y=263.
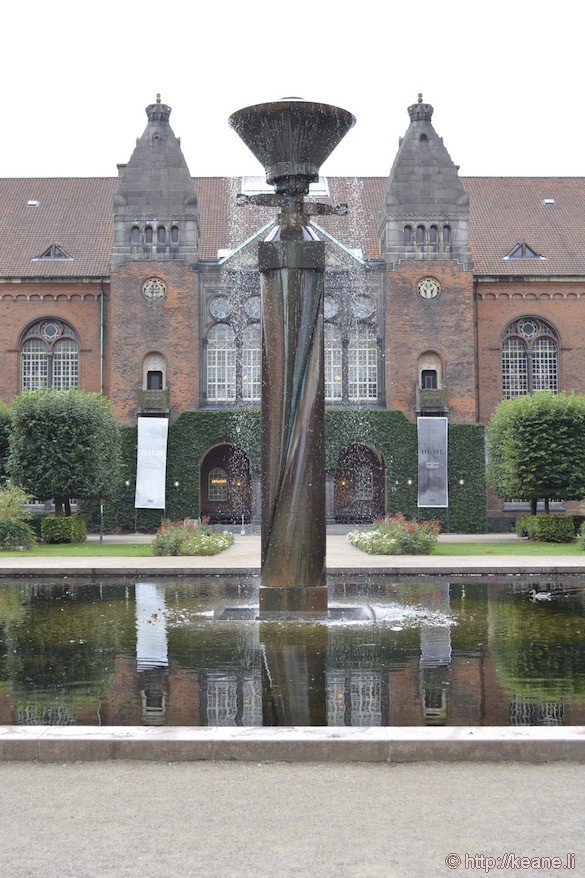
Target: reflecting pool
x=191, y=652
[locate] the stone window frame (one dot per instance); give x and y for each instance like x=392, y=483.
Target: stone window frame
x=529, y=357
x=49, y=355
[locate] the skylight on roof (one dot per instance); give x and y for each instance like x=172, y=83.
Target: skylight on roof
x=32, y=202
x=55, y=251
x=523, y=251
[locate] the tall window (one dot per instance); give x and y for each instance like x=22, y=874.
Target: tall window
x=221, y=363
x=251, y=363
x=49, y=356
x=529, y=358
x=333, y=362
x=362, y=357
x=217, y=485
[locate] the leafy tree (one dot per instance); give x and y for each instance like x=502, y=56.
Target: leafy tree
x=63, y=444
x=535, y=446
x=4, y=433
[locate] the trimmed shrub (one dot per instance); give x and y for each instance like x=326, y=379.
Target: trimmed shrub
x=63, y=529
x=397, y=535
x=546, y=528
x=189, y=538
x=16, y=534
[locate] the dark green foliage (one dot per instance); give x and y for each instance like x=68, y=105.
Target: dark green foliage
x=546, y=528
x=63, y=444
x=16, y=534
x=63, y=529
x=4, y=434
x=194, y=433
x=534, y=447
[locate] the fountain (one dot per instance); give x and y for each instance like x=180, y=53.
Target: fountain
x=292, y=138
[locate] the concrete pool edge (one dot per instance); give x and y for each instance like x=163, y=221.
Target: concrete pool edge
x=299, y=744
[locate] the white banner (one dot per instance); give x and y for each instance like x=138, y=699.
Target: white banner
x=432, y=463
x=151, y=463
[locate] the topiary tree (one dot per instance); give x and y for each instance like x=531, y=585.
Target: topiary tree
x=4, y=433
x=535, y=447
x=63, y=444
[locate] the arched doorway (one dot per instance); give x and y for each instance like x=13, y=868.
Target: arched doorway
x=226, y=491
x=359, y=484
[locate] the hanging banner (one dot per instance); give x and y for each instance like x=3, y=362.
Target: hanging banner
x=432, y=462
x=151, y=463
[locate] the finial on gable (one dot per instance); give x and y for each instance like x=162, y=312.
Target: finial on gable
x=420, y=111
x=158, y=111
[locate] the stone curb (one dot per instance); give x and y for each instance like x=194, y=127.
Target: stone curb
x=301, y=744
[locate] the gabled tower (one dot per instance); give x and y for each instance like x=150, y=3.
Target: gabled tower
x=430, y=316
x=153, y=320
x=155, y=209
x=426, y=211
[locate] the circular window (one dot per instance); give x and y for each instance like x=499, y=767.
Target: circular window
x=220, y=307
x=528, y=328
x=363, y=306
x=50, y=330
x=154, y=288
x=428, y=288
x=253, y=307
x=329, y=307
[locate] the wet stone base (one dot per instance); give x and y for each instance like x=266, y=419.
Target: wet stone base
x=252, y=614
x=391, y=745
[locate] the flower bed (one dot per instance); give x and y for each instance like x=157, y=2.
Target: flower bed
x=187, y=537
x=397, y=535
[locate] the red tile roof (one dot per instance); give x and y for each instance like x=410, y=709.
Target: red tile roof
x=76, y=214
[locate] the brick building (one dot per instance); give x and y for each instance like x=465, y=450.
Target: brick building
x=443, y=294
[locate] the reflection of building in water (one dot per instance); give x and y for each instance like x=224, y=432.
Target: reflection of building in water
x=523, y=712
x=231, y=699
x=435, y=662
x=357, y=698
x=152, y=661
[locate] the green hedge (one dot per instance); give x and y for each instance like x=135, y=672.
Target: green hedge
x=16, y=534
x=194, y=433
x=63, y=529
x=546, y=528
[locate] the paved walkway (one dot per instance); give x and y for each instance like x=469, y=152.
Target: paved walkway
x=224, y=820
x=244, y=557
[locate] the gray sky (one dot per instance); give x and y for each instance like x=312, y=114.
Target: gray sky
x=504, y=79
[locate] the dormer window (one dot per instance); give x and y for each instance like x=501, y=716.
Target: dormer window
x=55, y=251
x=523, y=251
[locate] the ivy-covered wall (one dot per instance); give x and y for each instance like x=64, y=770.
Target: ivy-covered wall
x=194, y=433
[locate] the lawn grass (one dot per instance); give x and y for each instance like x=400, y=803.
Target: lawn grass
x=144, y=550
x=509, y=547
x=84, y=550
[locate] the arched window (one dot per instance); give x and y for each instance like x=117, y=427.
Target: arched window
x=420, y=234
x=363, y=363
x=446, y=234
x=217, y=485
x=135, y=235
x=161, y=235
x=49, y=356
x=148, y=235
x=221, y=363
x=251, y=363
x=433, y=235
x=154, y=371
x=333, y=362
x=174, y=234
x=529, y=358
x=407, y=235
x=430, y=371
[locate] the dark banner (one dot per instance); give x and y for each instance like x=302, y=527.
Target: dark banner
x=432, y=462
